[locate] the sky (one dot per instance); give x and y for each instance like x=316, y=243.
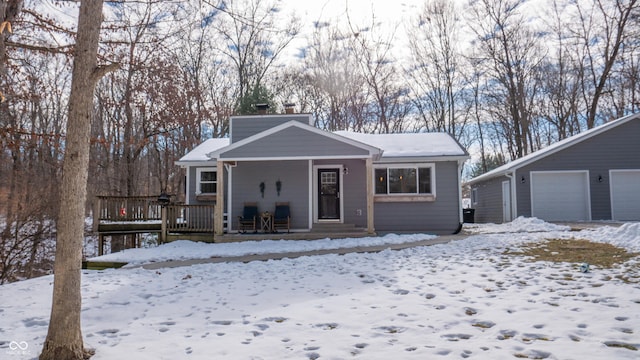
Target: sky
x=470, y=298
x=392, y=15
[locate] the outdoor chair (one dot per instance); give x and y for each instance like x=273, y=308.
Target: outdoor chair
x=282, y=216
x=249, y=218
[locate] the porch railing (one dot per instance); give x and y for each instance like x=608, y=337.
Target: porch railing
x=190, y=218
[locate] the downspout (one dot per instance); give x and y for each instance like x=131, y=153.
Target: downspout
x=460, y=216
x=187, y=188
x=228, y=167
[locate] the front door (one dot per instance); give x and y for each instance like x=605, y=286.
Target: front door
x=328, y=194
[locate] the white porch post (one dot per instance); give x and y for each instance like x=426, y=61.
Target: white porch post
x=218, y=221
x=369, y=171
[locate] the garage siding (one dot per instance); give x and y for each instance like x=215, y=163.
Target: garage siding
x=617, y=148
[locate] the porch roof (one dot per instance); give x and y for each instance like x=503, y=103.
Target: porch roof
x=199, y=153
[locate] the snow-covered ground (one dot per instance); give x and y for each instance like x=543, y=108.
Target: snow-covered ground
x=465, y=299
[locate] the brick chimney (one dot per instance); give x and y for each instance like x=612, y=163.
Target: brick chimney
x=289, y=108
x=262, y=108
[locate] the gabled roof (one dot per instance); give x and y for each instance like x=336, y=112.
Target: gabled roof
x=371, y=150
x=385, y=146
x=410, y=144
x=553, y=148
x=199, y=154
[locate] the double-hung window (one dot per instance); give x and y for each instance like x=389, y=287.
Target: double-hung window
x=206, y=181
x=404, y=180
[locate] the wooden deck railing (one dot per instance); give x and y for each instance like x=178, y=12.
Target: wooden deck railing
x=134, y=210
x=127, y=208
x=190, y=218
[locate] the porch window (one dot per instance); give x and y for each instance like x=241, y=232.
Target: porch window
x=403, y=180
x=206, y=181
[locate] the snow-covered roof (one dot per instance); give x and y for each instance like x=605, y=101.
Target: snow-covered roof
x=393, y=145
x=410, y=144
x=201, y=151
x=553, y=148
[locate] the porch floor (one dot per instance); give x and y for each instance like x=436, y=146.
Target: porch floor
x=302, y=235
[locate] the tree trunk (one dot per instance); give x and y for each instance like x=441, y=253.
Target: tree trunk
x=64, y=339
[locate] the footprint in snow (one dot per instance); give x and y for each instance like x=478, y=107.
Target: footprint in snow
x=327, y=326
x=221, y=322
x=401, y=292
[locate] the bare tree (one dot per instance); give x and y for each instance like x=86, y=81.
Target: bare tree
x=9, y=10
x=603, y=31
x=64, y=338
x=387, y=99
x=333, y=81
x=560, y=77
x=254, y=36
x=437, y=69
x=511, y=54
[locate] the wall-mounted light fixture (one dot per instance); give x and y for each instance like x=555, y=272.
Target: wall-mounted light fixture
x=345, y=171
x=523, y=180
x=600, y=179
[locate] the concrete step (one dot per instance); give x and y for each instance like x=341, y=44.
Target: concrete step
x=335, y=228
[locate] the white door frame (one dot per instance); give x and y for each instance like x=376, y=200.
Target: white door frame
x=507, y=211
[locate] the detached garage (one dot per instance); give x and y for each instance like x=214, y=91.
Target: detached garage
x=594, y=175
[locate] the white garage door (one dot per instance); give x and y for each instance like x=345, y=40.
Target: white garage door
x=560, y=195
x=625, y=195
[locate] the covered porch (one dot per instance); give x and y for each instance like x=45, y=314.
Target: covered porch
x=325, y=178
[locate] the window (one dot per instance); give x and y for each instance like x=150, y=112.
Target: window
x=474, y=196
x=403, y=180
x=206, y=181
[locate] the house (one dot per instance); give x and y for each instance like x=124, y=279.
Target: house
x=594, y=175
x=376, y=183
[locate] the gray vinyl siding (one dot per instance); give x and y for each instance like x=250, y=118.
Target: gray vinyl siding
x=294, y=141
x=441, y=216
x=244, y=126
x=354, y=190
x=191, y=196
x=616, y=148
x=294, y=176
x=488, y=208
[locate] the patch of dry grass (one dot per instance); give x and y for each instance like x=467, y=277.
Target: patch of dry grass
x=576, y=251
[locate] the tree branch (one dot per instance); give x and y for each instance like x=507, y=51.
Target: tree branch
x=65, y=49
x=102, y=70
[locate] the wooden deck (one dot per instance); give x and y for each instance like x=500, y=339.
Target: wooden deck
x=133, y=215
x=130, y=216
